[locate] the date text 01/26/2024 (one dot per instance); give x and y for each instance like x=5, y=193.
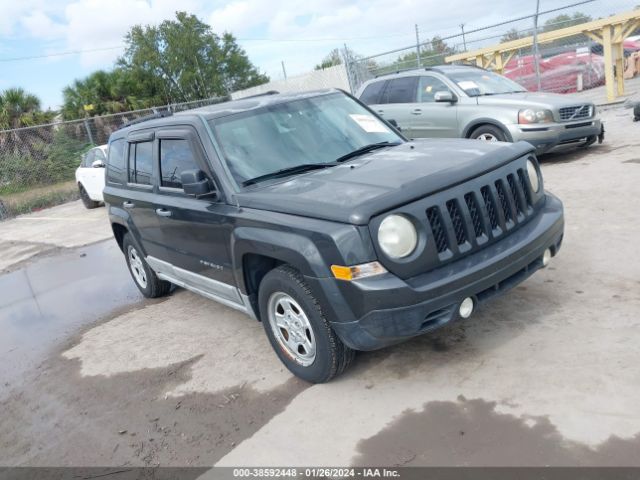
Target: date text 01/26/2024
x=315, y=473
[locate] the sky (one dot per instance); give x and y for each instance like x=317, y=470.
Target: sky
x=298, y=33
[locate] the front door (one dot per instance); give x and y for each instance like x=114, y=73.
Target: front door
x=196, y=232
x=95, y=175
x=430, y=118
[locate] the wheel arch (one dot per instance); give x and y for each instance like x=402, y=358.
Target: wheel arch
x=479, y=122
x=257, y=251
x=119, y=231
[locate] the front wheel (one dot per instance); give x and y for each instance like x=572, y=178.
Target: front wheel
x=489, y=133
x=297, y=329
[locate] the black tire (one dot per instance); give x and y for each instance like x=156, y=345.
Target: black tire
x=590, y=141
x=152, y=287
x=86, y=200
x=489, y=130
x=332, y=357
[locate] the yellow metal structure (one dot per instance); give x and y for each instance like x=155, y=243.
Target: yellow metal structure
x=610, y=32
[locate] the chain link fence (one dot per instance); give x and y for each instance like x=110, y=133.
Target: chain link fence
x=37, y=164
x=568, y=65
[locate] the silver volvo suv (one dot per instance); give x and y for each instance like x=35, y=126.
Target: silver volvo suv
x=470, y=102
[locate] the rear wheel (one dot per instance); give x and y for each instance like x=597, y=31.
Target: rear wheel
x=144, y=277
x=86, y=200
x=297, y=329
x=488, y=133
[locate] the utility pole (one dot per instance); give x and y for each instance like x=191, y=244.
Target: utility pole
x=464, y=40
x=536, y=51
x=418, y=46
x=284, y=72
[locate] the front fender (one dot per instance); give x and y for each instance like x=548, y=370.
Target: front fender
x=297, y=250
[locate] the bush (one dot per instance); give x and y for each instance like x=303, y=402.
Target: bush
x=35, y=161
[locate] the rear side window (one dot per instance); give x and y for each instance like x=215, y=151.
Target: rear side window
x=115, y=162
x=401, y=90
x=371, y=94
x=176, y=156
x=140, y=163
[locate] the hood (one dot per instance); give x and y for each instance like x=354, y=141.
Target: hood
x=359, y=189
x=550, y=101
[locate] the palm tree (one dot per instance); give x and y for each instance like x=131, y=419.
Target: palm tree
x=20, y=109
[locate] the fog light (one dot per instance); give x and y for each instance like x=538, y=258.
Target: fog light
x=546, y=257
x=466, y=307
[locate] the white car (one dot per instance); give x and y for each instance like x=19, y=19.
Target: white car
x=90, y=176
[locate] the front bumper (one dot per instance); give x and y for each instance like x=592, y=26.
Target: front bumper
x=547, y=137
x=375, y=312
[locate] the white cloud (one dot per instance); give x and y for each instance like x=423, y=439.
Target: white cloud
x=38, y=24
x=366, y=26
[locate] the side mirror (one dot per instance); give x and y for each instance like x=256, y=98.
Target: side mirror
x=97, y=164
x=445, y=96
x=196, y=183
x=395, y=124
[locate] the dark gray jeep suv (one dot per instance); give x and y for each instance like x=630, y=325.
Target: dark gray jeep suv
x=313, y=215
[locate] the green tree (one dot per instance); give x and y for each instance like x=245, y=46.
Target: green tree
x=511, y=34
x=184, y=60
x=102, y=92
x=431, y=53
x=564, y=21
x=332, y=59
x=21, y=109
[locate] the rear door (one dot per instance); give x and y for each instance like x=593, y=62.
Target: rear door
x=196, y=232
x=396, y=100
x=139, y=194
x=430, y=118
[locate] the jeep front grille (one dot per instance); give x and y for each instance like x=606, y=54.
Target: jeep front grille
x=440, y=237
x=576, y=112
x=476, y=216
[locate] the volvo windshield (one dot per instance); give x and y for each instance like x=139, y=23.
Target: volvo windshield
x=478, y=82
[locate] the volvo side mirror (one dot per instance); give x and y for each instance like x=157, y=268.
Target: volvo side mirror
x=445, y=96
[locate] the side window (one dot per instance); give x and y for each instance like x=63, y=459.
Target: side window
x=428, y=88
x=89, y=157
x=99, y=155
x=176, y=156
x=140, y=162
x=401, y=90
x=371, y=94
x=115, y=162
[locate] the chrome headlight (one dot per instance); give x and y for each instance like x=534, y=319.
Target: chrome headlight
x=534, y=177
x=530, y=115
x=397, y=236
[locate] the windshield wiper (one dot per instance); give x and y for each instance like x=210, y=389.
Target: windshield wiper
x=305, y=167
x=366, y=149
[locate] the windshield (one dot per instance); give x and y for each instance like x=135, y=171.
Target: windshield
x=480, y=82
x=282, y=136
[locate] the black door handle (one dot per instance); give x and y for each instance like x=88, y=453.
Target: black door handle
x=128, y=204
x=163, y=212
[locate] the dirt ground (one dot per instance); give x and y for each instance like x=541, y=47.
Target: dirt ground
x=545, y=375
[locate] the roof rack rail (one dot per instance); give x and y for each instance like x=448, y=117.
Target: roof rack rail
x=270, y=92
x=402, y=70
x=159, y=114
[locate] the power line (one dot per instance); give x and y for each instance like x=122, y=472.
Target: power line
x=59, y=54
x=120, y=47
